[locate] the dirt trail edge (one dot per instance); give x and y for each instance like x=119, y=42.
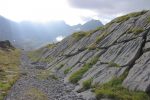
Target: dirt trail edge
x=34, y=84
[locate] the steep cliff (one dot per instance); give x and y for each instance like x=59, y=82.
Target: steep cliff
x=112, y=61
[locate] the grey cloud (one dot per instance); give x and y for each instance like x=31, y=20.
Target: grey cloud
x=111, y=6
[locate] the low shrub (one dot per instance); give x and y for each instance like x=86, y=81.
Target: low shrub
x=67, y=70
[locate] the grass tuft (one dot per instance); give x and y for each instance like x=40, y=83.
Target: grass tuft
x=67, y=70
x=61, y=66
x=87, y=84
x=35, y=94
x=126, y=17
x=79, y=35
x=136, y=31
x=45, y=74
x=92, y=46
x=76, y=76
x=148, y=19
x=112, y=64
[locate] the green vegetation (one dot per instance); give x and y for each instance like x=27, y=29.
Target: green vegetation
x=35, y=94
x=148, y=19
x=92, y=46
x=136, y=31
x=112, y=64
x=9, y=70
x=122, y=19
x=34, y=55
x=126, y=17
x=101, y=36
x=44, y=74
x=87, y=84
x=75, y=77
x=79, y=35
x=67, y=70
x=61, y=65
x=135, y=14
x=47, y=59
x=113, y=89
x=49, y=46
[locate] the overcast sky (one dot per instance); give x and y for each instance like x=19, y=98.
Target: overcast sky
x=71, y=11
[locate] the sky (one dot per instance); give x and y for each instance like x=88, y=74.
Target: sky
x=71, y=11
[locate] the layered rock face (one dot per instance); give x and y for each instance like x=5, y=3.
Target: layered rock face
x=119, y=46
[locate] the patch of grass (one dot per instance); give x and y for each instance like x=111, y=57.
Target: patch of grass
x=4, y=86
x=46, y=60
x=122, y=19
x=75, y=77
x=35, y=94
x=45, y=74
x=49, y=46
x=112, y=64
x=79, y=35
x=67, y=70
x=87, y=84
x=114, y=90
x=148, y=19
x=34, y=55
x=135, y=14
x=126, y=17
x=136, y=31
x=100, y=37
x=93, y=46
x=9, y=70
x=61, y=65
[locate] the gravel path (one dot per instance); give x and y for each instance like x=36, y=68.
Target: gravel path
x=29, y=87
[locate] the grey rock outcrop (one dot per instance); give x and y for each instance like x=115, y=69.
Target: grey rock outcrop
x=119, y=46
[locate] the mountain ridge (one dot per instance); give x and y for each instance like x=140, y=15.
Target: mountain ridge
x=29, y=35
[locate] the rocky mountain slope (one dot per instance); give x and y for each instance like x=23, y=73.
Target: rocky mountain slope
x=109, y=62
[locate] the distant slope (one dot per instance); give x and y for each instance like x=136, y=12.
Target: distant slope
x=90, y=25
x=106, y=62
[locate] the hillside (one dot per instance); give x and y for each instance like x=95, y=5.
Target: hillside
x=109, y=62
x=9, y=67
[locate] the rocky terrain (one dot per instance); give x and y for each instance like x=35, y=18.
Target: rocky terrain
x=39, y=84
x=109, y=63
